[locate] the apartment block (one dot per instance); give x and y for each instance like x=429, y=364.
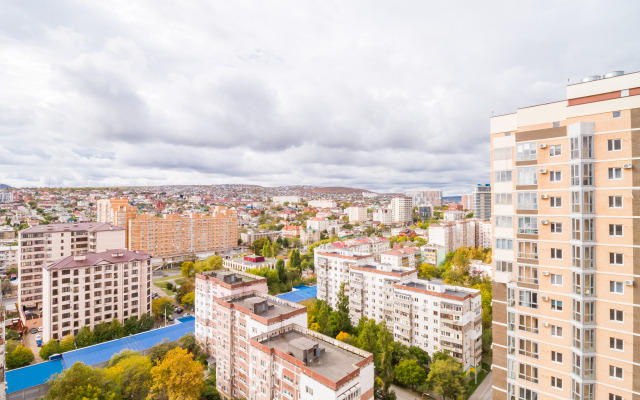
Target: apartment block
x=452, y=235
x=7, y=233
x=178, y=235
x=425, y=212
x=332, y=268
x=455, y=207
x=321, y=223
x=408, y=257
x=483, y=233
x=85, y=290
x=433, y=254
x=467, y=202
x=373, y=245
x=425, y=197
x=401, y=209
x=286, y=199
x=367, y=279
x=117, y=212
x=42, y=245
x=482, y=201
x=566, y=199
x=382, y=215
x=252, y=261
x=436, y=317
x=322, y=203
x=453, y=215
x=252, y=235
x=357, y=214
x=9, y=256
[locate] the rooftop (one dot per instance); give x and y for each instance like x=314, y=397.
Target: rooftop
x=252, y=302
x=440, y=287
x=301, y=294
x=78, y=226
x=384, y=267
x=90, y=259
x=229, y=276
x=334, y=363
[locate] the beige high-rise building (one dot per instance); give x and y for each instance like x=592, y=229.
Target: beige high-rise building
x=176, y=235
x=566, y=245
x=116, y=211
x=401, y=209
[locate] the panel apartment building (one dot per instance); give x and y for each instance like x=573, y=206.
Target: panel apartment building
x=263, y=349
x=41, y=245
x=332, y=268
x=565, y=181
x=85, y=290
x=176, y=235
x=117, y=212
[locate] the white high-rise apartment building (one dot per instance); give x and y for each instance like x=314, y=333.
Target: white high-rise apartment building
x=467, y=201
x=482, y=201
x=371, y=245
x=425, y=196
x=283, y=199
x=408, y=257
x=401, y=209
x=452, y=235
x=322, y=203
x=382, y=215
x=85, y=290
x=332, y=268
x=357, y=214
x=5, y=196
x=449, y=216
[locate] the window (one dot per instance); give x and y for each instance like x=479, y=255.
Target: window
x=527, y=201
x=615, y=372
x=616, y=258
x=556, y=331
x=556, y=227
x=615, y=230
x=504, y=244
x=615, y=173
x=616, y=344
x=616, y=114
x=556, y=124
x=503, y=199
x=528, y=274
x=614, y=397
x=614, y=144
x=504, y=222
x=528, y=225
x=528, y=299
x=556, y=254
x=526, y=151
x=527, y=176
x=504, y=266
x=616, y=287
x=615, y=201
x=555, y=176
x=528, y=250
x=556, y=382
x=528, y=323
x=556, y=202
x=556, y=305
x=556, y=357
x=528, y=348
x=555, y=150
x=556, y=280
x=616, y=315
x=504, y=153
x=527, y=394
x=528, y=373
x=503, y=176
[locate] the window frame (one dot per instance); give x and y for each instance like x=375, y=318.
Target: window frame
x=554, y=331
x=554, y=175
x=554, y=228
x=553, y=202
x=612, y=173
x=614, y=257
x=616, y=114
x=615, y=230
x=555, y=356
x=554, y=279
x=555, y=252
x=611, y=144
x=613, y=371
x=611, y=313
x=557, y=305
x=614, y=286
x=555, y=150
x=613, y=344
x=612, y=200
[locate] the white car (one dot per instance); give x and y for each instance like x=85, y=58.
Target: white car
x=38, y=337
x=40, y=329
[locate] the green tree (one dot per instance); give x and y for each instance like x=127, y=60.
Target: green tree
x=130, y=376
x=266, y=249
x=11, y=335
x=258, y=245
x=446, y=379
x=189, y=300
x=91, y=393
x=324, y=313
x=161, y=307
x=157, y=352
x=368, y=337
x=187, y=269
x=410, y=373
x=281, y=271
x=145, y=323
x=85, y=337
x=420, y=355
x=65, y=385
x=67, y=344
x=189, y=342
x=442, y=355
x=131, y=325
x=126, y=353
x=487, y=340
x=340, y=320
x=20, y=357
x=209, y=392
x=385, y=359
x=101, y=332
x=285, y=243
x=185, y=289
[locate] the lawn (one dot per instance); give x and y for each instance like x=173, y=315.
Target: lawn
x=168, y=278
x=163, y=287
x=483, y=373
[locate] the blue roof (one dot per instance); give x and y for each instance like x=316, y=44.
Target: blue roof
x=32, y=375
x=104, y=351
x=297, y=296
x=186, y=319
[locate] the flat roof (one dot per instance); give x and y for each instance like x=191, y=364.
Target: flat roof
x=302, y=294
x=277, y=310
x=31, y=375
x=72, y=227
x=334, y=364
x=462, y=293
x=220, y=274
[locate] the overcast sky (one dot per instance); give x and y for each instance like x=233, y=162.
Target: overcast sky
x=376, y=95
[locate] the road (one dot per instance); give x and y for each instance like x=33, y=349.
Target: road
x=484, y=391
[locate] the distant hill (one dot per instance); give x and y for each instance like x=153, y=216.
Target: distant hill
x=3, y=186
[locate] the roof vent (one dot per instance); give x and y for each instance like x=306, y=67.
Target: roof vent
x=612, y=74
x=590, y=78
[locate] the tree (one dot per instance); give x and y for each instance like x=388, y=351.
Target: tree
x=487, y=339
x=131, y=325
x=178, y=376
x=169, y=286
x=145, y=323
x=20, y=357
x=101, y=332
x=91, y=393
x=161, y=307
x=185, y=289
x=447, y=379
x=5, y=286
x=67, y=344
x=342, y=336
x=187, y=269
x=324, y=313
x=340, y=319
x=442, y=355
x=11, y=334
x=409, y=372
x=209, y=392
x=85, y=337
x=157, y=352
x=130, y=376
x=116, y=358
x=420, y=355
x=285, y=242
x=189, y=342
x=189, y=300
x=65, y=385
x=385, y=359
x=266, y=249
x=282, y=277
x=258, y=245
x=276, y=248
x=368, y=337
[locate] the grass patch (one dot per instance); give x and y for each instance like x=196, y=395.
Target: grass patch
x=485, y=369
x=168, y=278
x=180, y=281
x=163, y=286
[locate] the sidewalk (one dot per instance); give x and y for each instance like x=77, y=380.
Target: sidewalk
x=486, y=384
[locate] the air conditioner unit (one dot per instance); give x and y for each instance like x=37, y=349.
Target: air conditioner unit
x=628, y=282
x=544, y=196
x=543, y=170
x=545, y=324
x=543, y=145
x=545, y=221
x=627, y=166
x=545, y=298
x=545, y=273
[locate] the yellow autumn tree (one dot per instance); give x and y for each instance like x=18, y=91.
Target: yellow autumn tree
x=342, y=336
x=177, y=377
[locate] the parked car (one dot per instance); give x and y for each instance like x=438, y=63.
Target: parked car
x=179, y=310
x=170, y=319
x=33, y=331
x=40, y=329
x=38, y=337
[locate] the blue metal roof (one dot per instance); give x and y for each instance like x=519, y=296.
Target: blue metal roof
x=186, y=319
x=104, y=351
x=32, y=375
x=297, y=296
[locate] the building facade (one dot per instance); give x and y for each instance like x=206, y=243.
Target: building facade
x=248, y=262
x=85, y=290
x=433, y=254
x=117, y=212
x=372, y=245
x=425, y=197
x=357, y=213
x=482, y=201
x=407, y=257
x=285, y=199
x=401, y=210
x=564, y=177
x=467, y=202
x=452, y=235
x=322, y=203
x=382, y=215
x=453, y=215
x=252, y=235
x=332, y=268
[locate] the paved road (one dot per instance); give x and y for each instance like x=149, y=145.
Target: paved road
x=404, y=394
x=484, y=391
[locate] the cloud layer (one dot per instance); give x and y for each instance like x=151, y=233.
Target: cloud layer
x=377, y=95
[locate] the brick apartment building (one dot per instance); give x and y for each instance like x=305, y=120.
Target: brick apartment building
x=565, y=302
